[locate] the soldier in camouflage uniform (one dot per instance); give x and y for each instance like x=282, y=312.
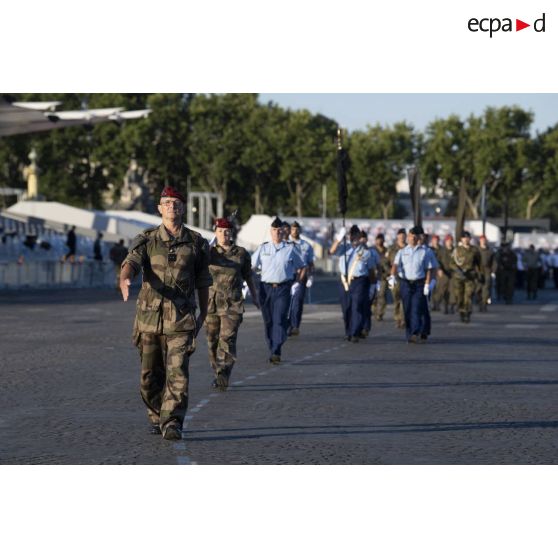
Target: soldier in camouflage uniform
x=465, y=267
x=380, y=300
x=229, y=266
x=174, y=263
x=443, y=293
x=487, y=273
x=398, y=313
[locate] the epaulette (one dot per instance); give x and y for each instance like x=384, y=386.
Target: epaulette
x=139, y=240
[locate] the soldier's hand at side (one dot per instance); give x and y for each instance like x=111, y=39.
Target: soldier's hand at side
x=257, y=304
x=391, y=282
x=125, y=288
x=426, y=290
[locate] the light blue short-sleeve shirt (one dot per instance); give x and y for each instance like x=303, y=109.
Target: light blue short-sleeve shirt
x=362, y=255
x=413, y=262
x=278, y=262
x=306, y=251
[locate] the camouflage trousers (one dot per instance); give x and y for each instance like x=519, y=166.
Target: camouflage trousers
x=380, y=302
x=221, y=333
x=165, y=374
x=443, y=292
x=463, y=290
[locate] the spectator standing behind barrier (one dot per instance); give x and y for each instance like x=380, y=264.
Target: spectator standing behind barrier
x=174, y=261
x=554, y=266
x=71, y=242
x=98, y=248
x=117, y=255
x=531, y=263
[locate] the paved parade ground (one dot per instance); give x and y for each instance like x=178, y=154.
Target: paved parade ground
x=478, y=393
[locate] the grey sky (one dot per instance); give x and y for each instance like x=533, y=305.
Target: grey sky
x=355, y=110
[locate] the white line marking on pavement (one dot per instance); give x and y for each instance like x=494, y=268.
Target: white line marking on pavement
x=195, y=409
x=202, y=403
x=238, y=383
x=549, y=308
x=183, y=460
x=212, y=395
x=523, y=326
x=463, y=324
x=534, y=317
x=251, y=378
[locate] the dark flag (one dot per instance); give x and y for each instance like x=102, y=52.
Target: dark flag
x=342, y=166
x=414, y=191
x=460, y=216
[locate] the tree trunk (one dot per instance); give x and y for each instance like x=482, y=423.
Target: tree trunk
x=258, y=206
x=530, y=203
x=386, y=209
x=299, y=196
x=473, y=207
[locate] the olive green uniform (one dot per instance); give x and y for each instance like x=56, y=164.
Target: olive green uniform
x=487, y=268
x=443, y=293
x=380, y=301
x=228, y=268
x=165, y=323
x=465, y=266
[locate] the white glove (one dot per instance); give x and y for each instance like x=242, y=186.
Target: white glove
x=493, y=275
x=309, y=282
x=391, y=281
x=244, y=289
x=213, y=241
x=372, y=291
x=378, y=285
x=341, y=234
x=426, y=290
x=432, y=285
x=295, y=288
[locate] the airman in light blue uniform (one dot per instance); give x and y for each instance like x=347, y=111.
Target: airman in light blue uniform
x=282, y=273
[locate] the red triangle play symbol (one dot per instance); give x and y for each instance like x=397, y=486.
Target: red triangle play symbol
x=519, y=25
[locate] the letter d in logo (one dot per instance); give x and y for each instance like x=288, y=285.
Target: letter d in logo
x=539, y=24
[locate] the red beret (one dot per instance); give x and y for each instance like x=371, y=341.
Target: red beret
x=435, y=236
x=448, y=237
x=170, y=192
x=222, y=223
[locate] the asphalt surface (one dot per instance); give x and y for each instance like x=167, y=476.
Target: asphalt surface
x=478, y=393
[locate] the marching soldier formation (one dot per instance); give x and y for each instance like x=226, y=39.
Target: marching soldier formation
x=176, y=263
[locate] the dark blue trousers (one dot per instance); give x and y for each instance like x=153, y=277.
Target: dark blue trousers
x=354, y=304
x=275, y=309
x=297, y=305
x=417, y=318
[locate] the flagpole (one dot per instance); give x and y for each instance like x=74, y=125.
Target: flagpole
x=342, y=187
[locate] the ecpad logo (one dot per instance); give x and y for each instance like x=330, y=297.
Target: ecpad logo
x=493, y=25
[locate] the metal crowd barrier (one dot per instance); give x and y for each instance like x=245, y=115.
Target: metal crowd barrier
x=56, y=274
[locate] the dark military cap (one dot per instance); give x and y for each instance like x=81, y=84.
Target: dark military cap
x=354, y=230
x=417, y=230
x=401, y=231
x=285, y=224
x=465, y=234
x=380, y=235
x=276, y=223
x=295, y=224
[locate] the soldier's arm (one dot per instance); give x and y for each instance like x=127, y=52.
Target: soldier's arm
x=203, y=299
x=126, y=276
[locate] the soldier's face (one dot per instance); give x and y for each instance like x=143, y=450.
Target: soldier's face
x=224, y=236
x=412, y=239
x=379, y=242
x=466, y=241
x=276, y=235
x=295, y=232
x=401, y=238
x=171, y=208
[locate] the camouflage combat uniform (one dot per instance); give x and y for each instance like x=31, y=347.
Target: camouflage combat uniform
x=443, y=293
x=464, y=265
x=487, y=268
x=164, y=328
x=380, y=300
x=398, y=314
x=228, y=268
